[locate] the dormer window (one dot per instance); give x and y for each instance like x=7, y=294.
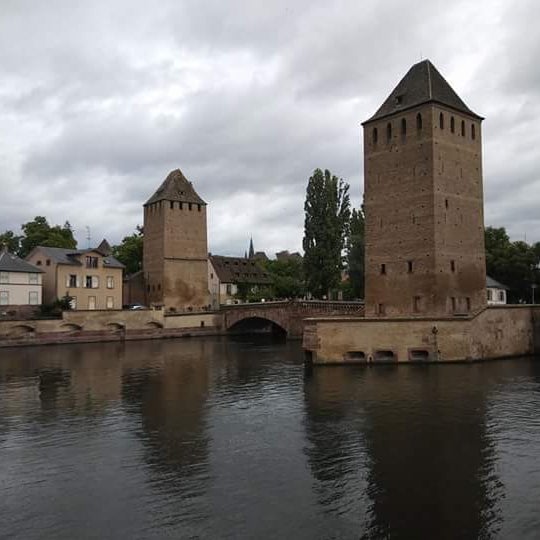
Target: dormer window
x=91, y=262
x=399, y=100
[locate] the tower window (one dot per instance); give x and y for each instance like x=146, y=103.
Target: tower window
x=189, y=206
x=380, y=309
x=172, y=205
x=468, y=301
x=452, y=125
x=453, y=266
x=441, y=121
x=409, y=266
x=383, y=268
x=446, y=203
x=180, y=205
x=375, y=135
x=453, y=303
x=388, y=132
x=403, y=127
x=463, y=128
x=473, y=132
x=419, y=122
x=199, y=207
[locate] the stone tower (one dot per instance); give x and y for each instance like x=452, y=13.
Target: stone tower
x=175, y=249
x=424, y=201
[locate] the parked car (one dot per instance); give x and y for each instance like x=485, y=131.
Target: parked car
x=134, y=307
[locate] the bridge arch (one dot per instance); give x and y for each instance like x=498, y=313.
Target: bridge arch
x=257, y=324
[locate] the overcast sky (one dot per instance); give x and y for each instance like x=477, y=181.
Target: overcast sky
x=99, y=100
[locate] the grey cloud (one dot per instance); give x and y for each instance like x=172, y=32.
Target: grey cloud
x=247, y=98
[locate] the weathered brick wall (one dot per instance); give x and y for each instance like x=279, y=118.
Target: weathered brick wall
x=496, y=332
x=424, y=205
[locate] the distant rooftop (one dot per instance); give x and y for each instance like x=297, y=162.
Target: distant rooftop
x=176, y=187
x=422, y=84
x=11, y=263
x=239, y=270
x=70, y=256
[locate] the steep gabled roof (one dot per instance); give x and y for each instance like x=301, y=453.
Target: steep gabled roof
x=176, y=187
x=422, y=84
x=11, y=263
x=494, y=284
x=239, y=270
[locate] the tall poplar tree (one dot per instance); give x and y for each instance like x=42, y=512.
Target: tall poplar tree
x=327, y=213
x=355, y=253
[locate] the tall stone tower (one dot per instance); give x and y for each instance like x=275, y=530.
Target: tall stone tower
x=175, y=248
x=424, y=201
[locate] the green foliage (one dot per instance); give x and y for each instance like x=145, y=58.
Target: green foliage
x=56, y=307
x=248, y=292
x=512, y=263
x=287, y=277
x=11, y=241
x=327, y=213
x=355, y=256
x=39, y=233
x=130, y=251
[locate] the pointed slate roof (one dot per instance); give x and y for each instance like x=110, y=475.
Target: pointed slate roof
x=176, y=187
x=422, y=84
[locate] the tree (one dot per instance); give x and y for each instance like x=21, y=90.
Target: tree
x=355, y=253
x=327, y=213
x=11, y=241
x=130, y=251
x=39, y=233
x=287, y=277
x=512, y=263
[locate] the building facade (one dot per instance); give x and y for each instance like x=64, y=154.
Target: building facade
x=175, y=252
x=91, y=277
x=424, y=201
x=20, y=282
x=229, y=276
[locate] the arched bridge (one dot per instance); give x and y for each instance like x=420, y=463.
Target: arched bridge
x=286, y=316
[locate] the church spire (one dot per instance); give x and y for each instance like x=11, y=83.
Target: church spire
x=251, y=250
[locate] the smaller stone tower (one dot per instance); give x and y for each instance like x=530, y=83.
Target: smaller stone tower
x=175, y=251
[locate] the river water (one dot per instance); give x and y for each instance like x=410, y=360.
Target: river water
x=215, y=438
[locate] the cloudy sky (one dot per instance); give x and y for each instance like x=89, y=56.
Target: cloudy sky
x=99, y=100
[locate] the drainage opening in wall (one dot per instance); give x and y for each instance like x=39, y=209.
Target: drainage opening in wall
x=419, y=355
x=384, y=356
x=355, y=356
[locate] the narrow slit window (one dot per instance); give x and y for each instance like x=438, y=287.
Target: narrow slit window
x=453, y=266
x=463, y=128
x=403, y=127
x=441, y=121
x=409, y=267
x=375, y=135
x=383, y=268
x=388, y=132
x=473, y=132
x=452, y=125
x=419, y=122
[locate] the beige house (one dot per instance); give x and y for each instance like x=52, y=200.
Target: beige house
x=226, y=274
x=20, y=281
x=91, y=277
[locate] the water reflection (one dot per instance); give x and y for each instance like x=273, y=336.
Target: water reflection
x=216, y=438
x=422, y=457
